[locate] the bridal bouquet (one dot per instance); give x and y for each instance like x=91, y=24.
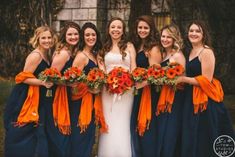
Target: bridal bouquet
x=119, y=80
x=95, y=79
x=139, y=75
x=52, y=75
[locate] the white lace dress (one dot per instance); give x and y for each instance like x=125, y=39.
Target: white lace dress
x=117, y=112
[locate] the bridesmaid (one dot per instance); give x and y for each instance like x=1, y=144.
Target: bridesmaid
x=83, y=135
x=147, y=45
x=204, y=120
x=58, y=118
x=24, y=115
x=169, y=122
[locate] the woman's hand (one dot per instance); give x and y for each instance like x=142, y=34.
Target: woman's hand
x=180, y=80
x=94, y=91
x=141, y=85
x=47, y=84
x=72, y=84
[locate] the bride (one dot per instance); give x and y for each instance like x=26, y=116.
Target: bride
x=117, y=109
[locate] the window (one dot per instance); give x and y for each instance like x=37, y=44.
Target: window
x=162, y=19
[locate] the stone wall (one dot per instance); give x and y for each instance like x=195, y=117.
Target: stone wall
x=79, y=11
x=97, y=11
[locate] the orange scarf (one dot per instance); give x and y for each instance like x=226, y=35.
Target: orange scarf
x=29, y=110
x=166, y=99
x=85, y=115
x=144, y=115
x=99, y=115
x=206, y=89
x=61, y=110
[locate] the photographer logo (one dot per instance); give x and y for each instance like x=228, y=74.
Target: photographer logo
x=224, y=146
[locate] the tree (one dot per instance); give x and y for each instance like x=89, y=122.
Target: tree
x=138, y=7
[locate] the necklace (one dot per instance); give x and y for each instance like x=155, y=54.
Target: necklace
x=169, y=55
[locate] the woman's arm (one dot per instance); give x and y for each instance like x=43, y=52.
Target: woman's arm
x=101, y=64
x=154, y=56
x=31, y=63
x=80, y=61
x=59, y=59
x=207, y=59
x=131, y=50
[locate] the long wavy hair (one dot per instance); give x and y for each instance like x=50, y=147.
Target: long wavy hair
x=151, y=40
x=122, y=44
x=175, y=34
x=34, y=41
x=62, y=38
x=98, y=45
x=206, y=38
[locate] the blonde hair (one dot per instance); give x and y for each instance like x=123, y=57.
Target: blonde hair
x=34, y=41
x=174, y=33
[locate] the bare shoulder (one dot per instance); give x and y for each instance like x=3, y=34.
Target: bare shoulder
x=130, y=45
x=207, y=53
x=130, y=48
x=64, y=52
x=32, y=61
x=155, y=49
x=80, y=55
x=34, y=58
x=179, y=55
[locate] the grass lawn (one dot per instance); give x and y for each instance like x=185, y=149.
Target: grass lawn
x=6, y=87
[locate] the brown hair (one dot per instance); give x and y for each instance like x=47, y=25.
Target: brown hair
x=151, y=40
x=206, y=38
x=122, y=44
x=62, y=38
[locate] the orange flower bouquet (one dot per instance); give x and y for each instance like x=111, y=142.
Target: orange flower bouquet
x=95, y=79
x=119, y=80
x=139, y=75
x=172, y=71
x=73, y=75
x=155, y=75
x=52, y=75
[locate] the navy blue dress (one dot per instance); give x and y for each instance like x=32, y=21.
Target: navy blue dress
x=59, y=144
x=169, y=127
x=144, y=146
x=81, y=143
x=29, y=140
x=200, y=130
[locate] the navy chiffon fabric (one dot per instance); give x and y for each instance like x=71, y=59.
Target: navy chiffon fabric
x=29, y=140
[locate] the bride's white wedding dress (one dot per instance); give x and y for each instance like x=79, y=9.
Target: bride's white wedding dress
x=117, y=113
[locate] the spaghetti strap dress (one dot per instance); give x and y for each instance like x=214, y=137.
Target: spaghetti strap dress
x=117, y=113
x=59, y=144
x=144, y=145
x=200, y=130
x=169, y=126
x=29, y=140
x=81, y=143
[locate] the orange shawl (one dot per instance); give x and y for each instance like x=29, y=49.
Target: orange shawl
x=144, y=115
x=61, y=110
x=166, y=99
x=85, y=115
x=29, y=110
x=206, y=89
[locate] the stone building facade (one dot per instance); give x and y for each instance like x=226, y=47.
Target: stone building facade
x=99, y=11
